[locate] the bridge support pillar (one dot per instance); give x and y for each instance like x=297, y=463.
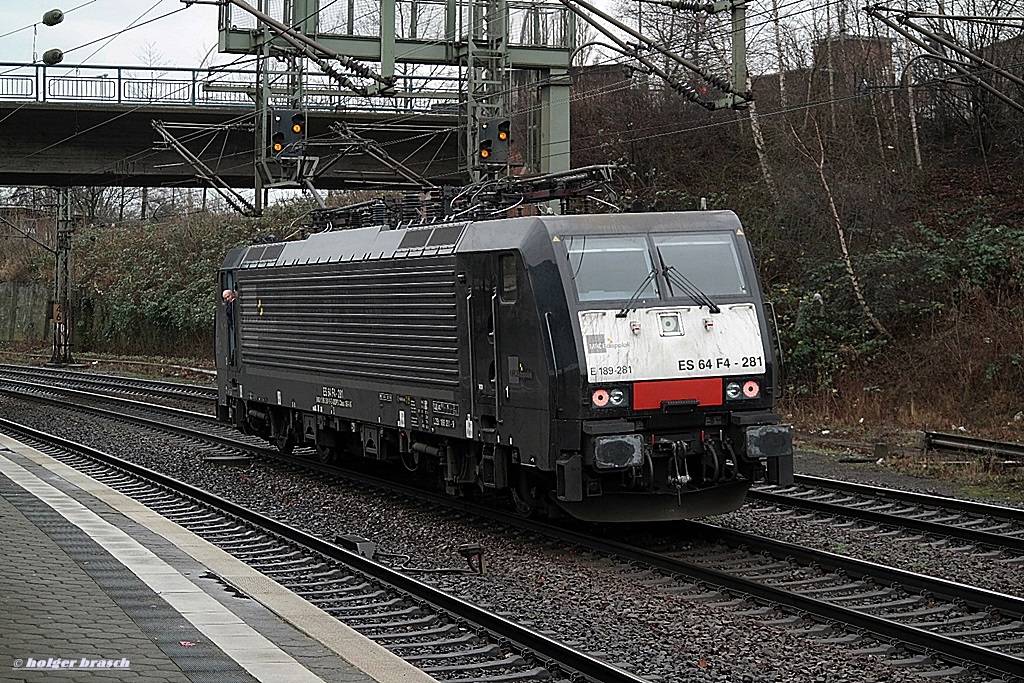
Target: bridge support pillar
x=62, y=320
x=554, y=124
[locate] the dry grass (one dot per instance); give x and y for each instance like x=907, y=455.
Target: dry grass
x=982, y=476
x=869, y=415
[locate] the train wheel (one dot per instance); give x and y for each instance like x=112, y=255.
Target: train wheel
x=327, y=455
x=527, y=495
x=282, y=431
x=284, y=444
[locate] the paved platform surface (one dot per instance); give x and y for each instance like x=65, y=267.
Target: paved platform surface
x=96, y=587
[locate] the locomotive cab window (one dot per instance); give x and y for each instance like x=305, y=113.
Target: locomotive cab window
x=611, y=268
x=708, y=260
x=508, y=278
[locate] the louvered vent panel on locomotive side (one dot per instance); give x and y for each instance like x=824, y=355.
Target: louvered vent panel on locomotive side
x=390, y=321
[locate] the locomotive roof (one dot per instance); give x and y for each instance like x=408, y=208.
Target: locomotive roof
x=377, y=243
x=513, y=232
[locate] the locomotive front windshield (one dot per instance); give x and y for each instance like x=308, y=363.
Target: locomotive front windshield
x=616, y=268
x=708, y=260
x=610, y=268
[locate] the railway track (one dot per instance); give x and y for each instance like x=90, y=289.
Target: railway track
x=111, y=384
x=950, y=625
x=1014, y=452
x=446, y=637
x=969, y=521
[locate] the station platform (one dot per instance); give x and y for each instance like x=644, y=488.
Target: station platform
x=96, y=587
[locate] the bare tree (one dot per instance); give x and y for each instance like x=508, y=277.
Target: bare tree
x=818, y=160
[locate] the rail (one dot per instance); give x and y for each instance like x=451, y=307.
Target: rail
x=976, y=523
x=174, y=496
x=885, y=601
x=954, y=442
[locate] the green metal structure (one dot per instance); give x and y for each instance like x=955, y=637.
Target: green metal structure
x=439, y=55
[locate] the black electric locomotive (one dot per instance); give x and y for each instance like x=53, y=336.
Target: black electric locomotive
x=619, y=366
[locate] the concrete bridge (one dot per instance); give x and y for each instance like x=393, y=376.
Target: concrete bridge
x=444, y=62
x=89, y=126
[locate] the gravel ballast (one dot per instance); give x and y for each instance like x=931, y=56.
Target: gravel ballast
x=630, y=616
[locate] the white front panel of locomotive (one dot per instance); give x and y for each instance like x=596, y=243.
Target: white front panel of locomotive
x=672, y=343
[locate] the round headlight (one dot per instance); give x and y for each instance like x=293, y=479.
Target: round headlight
x=669, y=323
x=733, y=391
x=617, y=397
x=600, y=398
x=751, y=389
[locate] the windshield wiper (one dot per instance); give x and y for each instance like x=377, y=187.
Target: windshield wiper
x=674, y=277
x=636, y=295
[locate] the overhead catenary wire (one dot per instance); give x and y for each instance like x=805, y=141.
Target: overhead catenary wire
x=112, y=36
x=133, y=25
x=115, y=36
x=36, y=23
x=626, y=85
x=78, y=47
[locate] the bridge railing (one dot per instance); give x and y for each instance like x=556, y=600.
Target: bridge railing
x=544, y=23
x=220, y=87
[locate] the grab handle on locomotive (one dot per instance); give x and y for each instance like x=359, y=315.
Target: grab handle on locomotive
x=780, y=384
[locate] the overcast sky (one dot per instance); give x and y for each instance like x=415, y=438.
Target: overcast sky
x=182, y=39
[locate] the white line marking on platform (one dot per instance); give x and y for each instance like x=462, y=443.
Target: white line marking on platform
x=250, y=649
x=364, y=654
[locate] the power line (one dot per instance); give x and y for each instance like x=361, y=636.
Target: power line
x=114, y=36
x=613, y=87
x=130, y=27
x=762, y=114
x=36, y=23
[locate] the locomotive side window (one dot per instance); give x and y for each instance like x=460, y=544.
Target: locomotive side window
x=509, y=285
x=610, y=268
x=708, y=260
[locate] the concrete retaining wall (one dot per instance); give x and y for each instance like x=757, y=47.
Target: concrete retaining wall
x=24, y=311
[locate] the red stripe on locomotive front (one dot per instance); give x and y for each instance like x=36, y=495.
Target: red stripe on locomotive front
x=649, y=395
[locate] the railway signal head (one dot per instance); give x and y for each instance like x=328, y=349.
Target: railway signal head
x=494, y=136
x=287, y=134
x=277, y=143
